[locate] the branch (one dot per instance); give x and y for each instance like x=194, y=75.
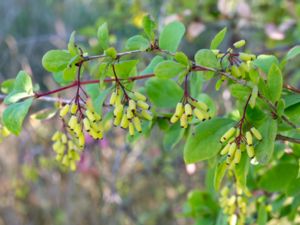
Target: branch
x=289, y=139
x=291, y=88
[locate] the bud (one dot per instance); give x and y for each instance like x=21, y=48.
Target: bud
x=239, y=44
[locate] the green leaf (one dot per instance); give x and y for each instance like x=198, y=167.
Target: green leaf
x=149, y=27
x=293, y=188
x=274, y=83
x=71, y=45
x=169, y=69
x=264, y=62
x=182, y=58
x=241, y=171
x=137, y=42
x=103, y=36
x=163, y=93
x=69, y=74
x=22, y=88
x=111, y=52
x=264, y=149
x=279, y=177
x=14, y=115
x=204, y=142
x=7, y=86
x=171, y=36
x=253, y=97
x=218, y=39
x=151, y=66
x=206, y=57
x=220, y=172
x=239, y=91
x=262, y=217
x=124, y=69
x=98, y=96
x=56, y=60
x=293, y=52
x=172, y=136
x=291, y=99
x=44, y=114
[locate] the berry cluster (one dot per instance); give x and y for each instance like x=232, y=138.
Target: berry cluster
x=234, y=140
x=184, y=112
x=234, y=206
x=129, y=110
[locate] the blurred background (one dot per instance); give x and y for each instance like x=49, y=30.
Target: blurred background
x=117, y=182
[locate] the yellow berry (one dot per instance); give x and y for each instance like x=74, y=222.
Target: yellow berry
x=225, y=150
x=199, y=114
x=235, y=71
x=228, y=134
x=249, y=138
x=90, y=115
x=74, y=108
x=112, y=99
x=237, y=156
x=179, y=109
x=188, y=110
x=239, y=44
x=132, y=105
x=174, y=119
x=146, y=115
x=256, y=133
x=124, y=122
x=64, y=110
x=137, y=124
x=143, y=105
x=183, y=121
x=250, y=151
x=86, y=124
x=131, y=129
x=139, y=96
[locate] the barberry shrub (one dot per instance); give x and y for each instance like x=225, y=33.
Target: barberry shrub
x=237, y=146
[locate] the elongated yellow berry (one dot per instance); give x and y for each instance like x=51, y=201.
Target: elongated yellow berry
x=225, y=150
x=250, y=151
x=112, y=99
x=117, y=120
x=86, y=124
x=71, y=144
x=90, y=116
x=179, y=109
x=143, y=105
x=72, y=122
x=65, y=160
x=174, y=119
x=246, y=57
x=146, y=115
x=74, y=108
x=239, y=44
x=244, y=67
x=256, y=133
x=199, y=114
x=232, y=149
x=81, y=141
x=237, y=156
x=72, y=165
x=188, y=109
x=64, y=138
x=118, y=110
x=200, y=105
x=97, y=116
x=235, y=71
x=99, y=135
x=59, y=157
x=56, y=136
x=228, y=134
x=139, y=96
x=137, y=124
x=131, y=129
x=64, y=110
x=124, y=122
x=183, y=121
x=129, y=113
x=132, y=105
x=249, y=138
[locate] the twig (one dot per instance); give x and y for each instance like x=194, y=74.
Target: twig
x=289, y=139
x=291, y=88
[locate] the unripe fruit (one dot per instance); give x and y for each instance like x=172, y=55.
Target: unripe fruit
x=174, y=119
x=250, y=151
x=237, y=156
x=131, y=129
x=64, y=110
x=139, y=96
x=179, y=109
x=146, y=115
x=124, y=122
x=256, y=133
x=188, y=110
x=74, y=108
x=199, y=114
x=183, y=121
x=113, y=98
x=143, y=105
x=235, y=71
x=130, y=114
x=225, y=150
x=239, y=44
x=90, y=116
x=232, y=149
x=132, y=105
x=228, y=134
x=137, y=124
x=72, y=122
x=246, y=57
x=86, y=124
x=249, y=138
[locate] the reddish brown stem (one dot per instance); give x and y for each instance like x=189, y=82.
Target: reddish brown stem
x=291, y=88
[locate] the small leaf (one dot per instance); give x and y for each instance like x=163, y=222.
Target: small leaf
x=14, y=115
x=169, y=69
x=220, y=172
x=44, y=114
x=171, y=36
x=124, y=69
x=172, y=136
x=279, y=177
x=7, y=86
x=239, y=91
x=204, y=142
x=206, y=57
x=151, y=66
x=169, y=97
x=98, y=96
x=181, y=58
x=274, y=83
x=149, y=27
x=264, y=62
x=56, y=60
x=71, y=45
x=293, y=52
x=264, y=149
x=103, y=36
x=69, y=74
x=218, y=39
x=241, y=172
x=22, y=88
x=262, y=217
x=111, y=52
x=137, y=42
